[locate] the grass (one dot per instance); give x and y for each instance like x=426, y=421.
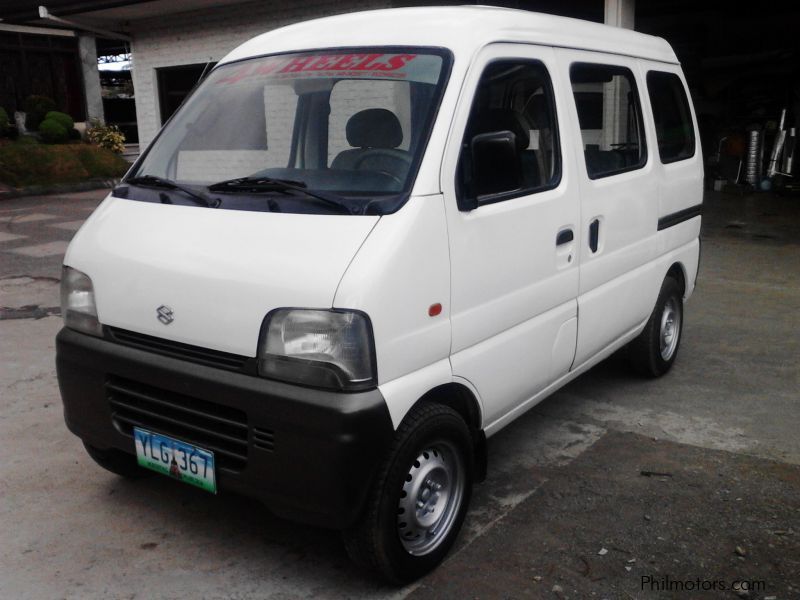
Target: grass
x=26, y=162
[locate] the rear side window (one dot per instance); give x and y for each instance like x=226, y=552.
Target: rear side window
x=674, y=129
x=610, y=117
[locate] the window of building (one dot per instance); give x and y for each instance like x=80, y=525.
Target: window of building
x=41, y=65
x=513, y=96
x=175, y=83
x=673, y=118
x=610, y=117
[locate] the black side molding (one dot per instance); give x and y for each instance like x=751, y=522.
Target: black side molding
x=679, y=217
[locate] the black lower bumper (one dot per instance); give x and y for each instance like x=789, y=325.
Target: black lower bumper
x=308, y=454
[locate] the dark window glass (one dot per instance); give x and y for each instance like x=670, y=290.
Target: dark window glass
x=610, y=117
x=514, y=101
x=35, y=41
x=673, y=118
x=175, y=83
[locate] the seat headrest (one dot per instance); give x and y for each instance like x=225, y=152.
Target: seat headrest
x=503, y=120
x=374, y=128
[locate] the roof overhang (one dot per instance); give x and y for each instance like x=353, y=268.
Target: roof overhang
x=108, y=13
x=27, y=11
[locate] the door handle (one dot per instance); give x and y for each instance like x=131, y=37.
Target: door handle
x=564, y=237
x=594, y=235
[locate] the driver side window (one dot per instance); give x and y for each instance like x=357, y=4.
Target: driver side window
x=510, y=146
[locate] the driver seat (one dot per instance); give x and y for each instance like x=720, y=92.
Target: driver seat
x=375, y=134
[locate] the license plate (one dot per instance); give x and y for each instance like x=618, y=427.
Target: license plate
x=175, y=459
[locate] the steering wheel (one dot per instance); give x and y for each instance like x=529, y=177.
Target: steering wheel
x=391, y=154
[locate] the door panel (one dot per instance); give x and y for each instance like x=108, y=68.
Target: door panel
x=619, y=202
x=514, y=275
x=680, y=162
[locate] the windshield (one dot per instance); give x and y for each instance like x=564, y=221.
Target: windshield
x=343, y=124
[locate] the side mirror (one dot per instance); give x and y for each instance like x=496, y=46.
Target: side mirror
x=495, y=167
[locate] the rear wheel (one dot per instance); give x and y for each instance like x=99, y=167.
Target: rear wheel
x=419, y=499
x=118, y=462
x=654, y=351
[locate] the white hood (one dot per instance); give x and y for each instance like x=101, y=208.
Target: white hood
x=220, y=271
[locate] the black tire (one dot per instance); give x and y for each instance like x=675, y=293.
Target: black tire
x=375, y=541
x=646, y=352
x=118, y=462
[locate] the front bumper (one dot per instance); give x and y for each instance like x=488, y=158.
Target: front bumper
x=309, y=455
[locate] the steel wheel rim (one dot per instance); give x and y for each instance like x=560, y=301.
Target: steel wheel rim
x=430, y=499
x=670, y=329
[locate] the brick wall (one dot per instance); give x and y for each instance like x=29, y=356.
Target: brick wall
x=207, y=35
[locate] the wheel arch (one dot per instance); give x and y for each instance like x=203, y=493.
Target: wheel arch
x=462, y=400
x=678, y=272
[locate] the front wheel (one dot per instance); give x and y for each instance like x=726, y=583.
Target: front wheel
x=654, y=351
x=419, y=499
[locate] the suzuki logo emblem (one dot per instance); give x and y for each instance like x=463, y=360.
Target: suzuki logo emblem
x=165, y=314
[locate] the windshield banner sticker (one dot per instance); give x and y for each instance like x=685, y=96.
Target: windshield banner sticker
x=418, y=68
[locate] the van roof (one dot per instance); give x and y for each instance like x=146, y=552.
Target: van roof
x=461, y=29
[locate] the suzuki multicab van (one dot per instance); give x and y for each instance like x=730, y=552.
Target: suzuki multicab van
x=367, y=243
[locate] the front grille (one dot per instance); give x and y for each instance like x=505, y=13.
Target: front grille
x=197, y=354
x=264, y=439
x=215, y=427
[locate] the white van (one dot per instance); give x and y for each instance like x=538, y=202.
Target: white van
x=365, y=244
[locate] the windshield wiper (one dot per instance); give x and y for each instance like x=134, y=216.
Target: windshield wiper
x=267, y=184
x=161, y=182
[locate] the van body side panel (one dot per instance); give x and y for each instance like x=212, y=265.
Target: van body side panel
x=403, y=392
x=680, y=183
x=220, y=271
x=685, y=255
x=673, y=241
x=513, y=287
x=617, y=289
x=401, y=270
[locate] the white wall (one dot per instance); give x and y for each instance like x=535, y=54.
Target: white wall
x=87, y=48
x=207, y=35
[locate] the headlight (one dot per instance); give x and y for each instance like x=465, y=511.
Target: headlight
x=77, y=302
x=322, y=348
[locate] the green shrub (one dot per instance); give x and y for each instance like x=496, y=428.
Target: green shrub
x=26, y=163
x=100, y=162
x=4, y=124
x=59, y=117
x=106, y=136
x=36, y=107
x=53, y=132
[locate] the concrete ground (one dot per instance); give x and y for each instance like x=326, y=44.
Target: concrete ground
x=564, y=483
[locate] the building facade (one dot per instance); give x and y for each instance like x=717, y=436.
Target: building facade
x=173, y=42
x=57, y=63
x=163, y=47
